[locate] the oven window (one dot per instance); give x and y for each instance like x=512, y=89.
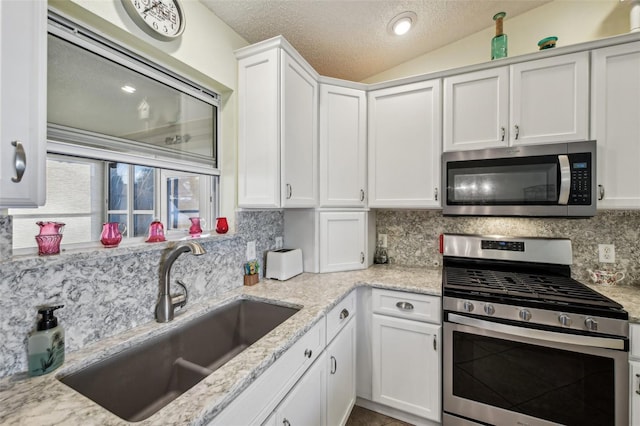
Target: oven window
x=551, y=384
x=503, y=182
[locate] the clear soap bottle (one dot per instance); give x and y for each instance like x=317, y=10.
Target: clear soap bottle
x=46, y=344
x=499, y=42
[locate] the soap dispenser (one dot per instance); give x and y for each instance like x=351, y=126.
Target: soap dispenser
x=46, y=344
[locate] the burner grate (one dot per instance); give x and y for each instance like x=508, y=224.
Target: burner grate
x=522, y=284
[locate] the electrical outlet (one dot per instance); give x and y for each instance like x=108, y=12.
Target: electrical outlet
x=278, y=243
x=607, y=253
x=251, y=250
x=383, y=240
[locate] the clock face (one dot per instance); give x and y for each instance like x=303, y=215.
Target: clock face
x=162, y=19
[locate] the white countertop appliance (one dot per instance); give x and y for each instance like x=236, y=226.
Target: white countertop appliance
x=283, y=264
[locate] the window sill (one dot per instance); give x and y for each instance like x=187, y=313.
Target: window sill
x=28, y=258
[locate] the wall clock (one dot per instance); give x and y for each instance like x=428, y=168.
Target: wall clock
x=161, y=19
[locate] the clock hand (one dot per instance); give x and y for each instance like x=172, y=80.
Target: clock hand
x=151, y=7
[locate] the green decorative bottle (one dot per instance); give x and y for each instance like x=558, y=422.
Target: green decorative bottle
x=499, y=42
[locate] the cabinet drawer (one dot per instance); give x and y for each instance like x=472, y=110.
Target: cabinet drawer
x=340, y=315
x=418, y=307
x=255, y=403
x=634, y=341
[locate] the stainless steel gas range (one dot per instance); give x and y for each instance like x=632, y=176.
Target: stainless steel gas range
x=524, y=343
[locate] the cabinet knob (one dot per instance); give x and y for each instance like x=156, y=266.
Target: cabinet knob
x=517, y=131
x=435, y=343
x=502, y=133
x=362, y=257
x=344, y=314
x=20, y=162
x=285, y=422
x=334, y=365
x=405, y=306
x=289, y=191
x=308, y=353
x=362, y=195
x=600, y=192
x=435, y=193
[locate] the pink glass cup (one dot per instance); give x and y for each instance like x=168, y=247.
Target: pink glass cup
x=196, y=226
x=156, y=232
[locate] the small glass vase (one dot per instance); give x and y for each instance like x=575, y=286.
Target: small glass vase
x=221, y=225
x=196, y=226
x=499, y=42
x=156, y=232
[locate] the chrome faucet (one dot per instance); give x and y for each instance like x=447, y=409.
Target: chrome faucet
x=167, y=301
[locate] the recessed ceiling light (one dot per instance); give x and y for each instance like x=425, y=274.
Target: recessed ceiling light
x=128, y=89
x=402, y=23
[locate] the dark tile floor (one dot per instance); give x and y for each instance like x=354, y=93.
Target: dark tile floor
x=363, y=417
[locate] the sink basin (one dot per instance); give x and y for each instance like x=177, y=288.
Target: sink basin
x=136, y=383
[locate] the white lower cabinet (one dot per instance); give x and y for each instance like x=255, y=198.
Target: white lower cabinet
x=634, y=374
x=341, y=375
x=406, y=356
x=305, y=404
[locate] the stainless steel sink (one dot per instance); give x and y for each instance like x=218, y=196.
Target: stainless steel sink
x=139, y=381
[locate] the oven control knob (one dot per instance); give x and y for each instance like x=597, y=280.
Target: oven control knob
x=525, y=315
x=489, y=309
x=591, y=324
x=565, y=320
x=467, y=306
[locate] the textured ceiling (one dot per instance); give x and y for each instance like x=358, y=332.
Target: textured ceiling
x=348, y=39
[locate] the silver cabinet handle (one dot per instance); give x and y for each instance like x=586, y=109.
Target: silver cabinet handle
x=435, y=343
x=600, y=192
x=638, y=377
x=334, y=365
x=289, y=191
x=21, y=161
x=308, y=353
x=285, y=422
x=362, y=257
x=502, y=132
x=517, y=131
x=405, y=306
x=362, y=195
x=344, y=314
x=435, y=193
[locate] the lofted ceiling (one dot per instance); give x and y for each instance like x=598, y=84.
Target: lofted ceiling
x=348, y=39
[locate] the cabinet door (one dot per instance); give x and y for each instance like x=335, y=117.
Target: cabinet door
x=306, y=403
x=343, y=147
x=23, y=113
x=342, y=241
x=615, y=110
x=405, y=146
x=476, y=110
x=550, y=100
x=299, y=135
x=258, y=131
x=634, y=392
x=341, y=381
x=406, y=365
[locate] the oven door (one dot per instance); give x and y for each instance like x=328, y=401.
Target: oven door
x=498, y=374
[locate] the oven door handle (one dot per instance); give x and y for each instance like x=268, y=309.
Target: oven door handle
x=565, y=179
x=532, y=333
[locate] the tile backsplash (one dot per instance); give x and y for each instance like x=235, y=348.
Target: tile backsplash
x=108, y=291
x=412, y=236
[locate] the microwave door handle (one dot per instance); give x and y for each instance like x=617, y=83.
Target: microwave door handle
x=532, y=333
x=565, y=179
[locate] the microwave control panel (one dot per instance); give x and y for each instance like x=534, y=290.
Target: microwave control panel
x=581, y=178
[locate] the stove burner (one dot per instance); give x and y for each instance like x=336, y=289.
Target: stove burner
x=532, y=286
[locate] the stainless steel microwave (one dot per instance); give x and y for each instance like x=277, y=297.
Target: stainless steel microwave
x=536, y=180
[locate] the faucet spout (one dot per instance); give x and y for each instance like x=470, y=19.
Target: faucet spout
x=166, y=301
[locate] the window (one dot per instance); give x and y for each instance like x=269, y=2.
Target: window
x=128, y=142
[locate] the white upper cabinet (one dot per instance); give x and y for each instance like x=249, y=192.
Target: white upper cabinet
x=476, y=110
x=615, y=118
x=550, y=100
x=23, y=107
x=343, y=146
x=277, y=128
x=534, y=102
x=404, y=146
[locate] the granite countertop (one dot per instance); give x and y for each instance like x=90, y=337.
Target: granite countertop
x=46, y=401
